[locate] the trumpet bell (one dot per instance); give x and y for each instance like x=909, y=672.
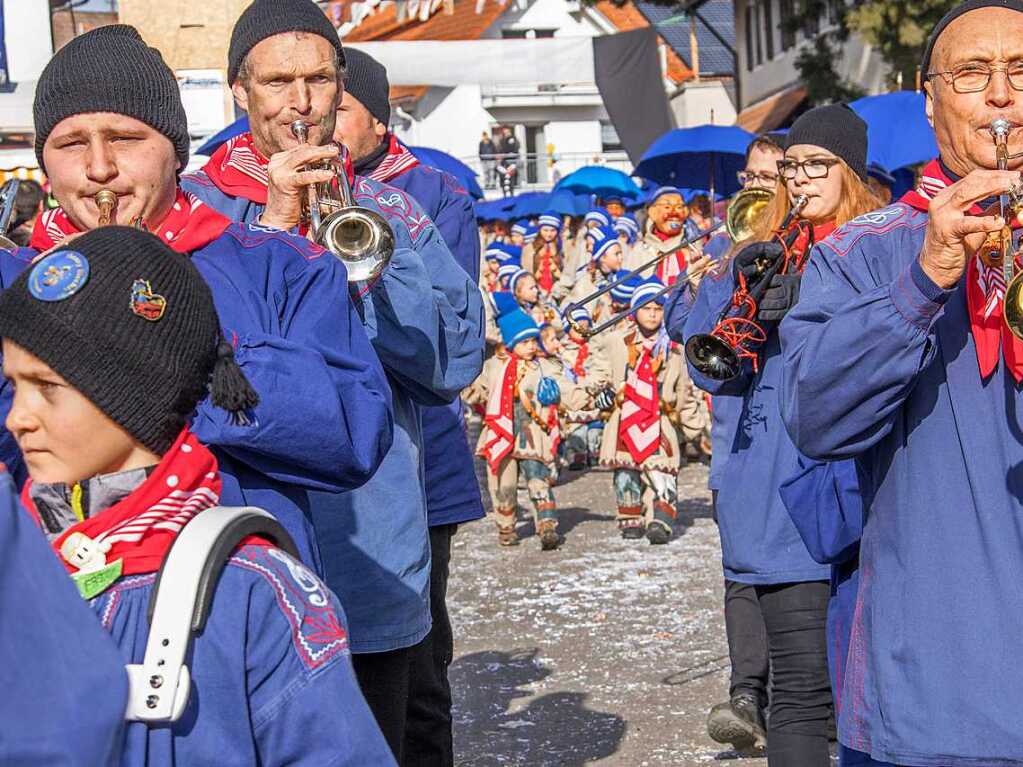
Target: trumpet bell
x=744, y=211
x=1012, y=311
x=360, y=238
x=713, y=357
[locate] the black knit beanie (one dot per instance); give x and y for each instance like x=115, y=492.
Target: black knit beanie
x=955, y=13
x=366, y=80
x=266, y=18
x=110, y=69
x=838, y=129
x=131, y=324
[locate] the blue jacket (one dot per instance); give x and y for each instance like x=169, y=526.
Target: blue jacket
x=374, y=542
x=825, y=501
x=324, y=417
x=64, y=684
x=725, y=408
x=452, y=490
x=759, y=543
x=880, y=364
x=272, y=677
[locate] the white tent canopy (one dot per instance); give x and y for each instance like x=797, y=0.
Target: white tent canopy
x=16, y=108
x=447, y=63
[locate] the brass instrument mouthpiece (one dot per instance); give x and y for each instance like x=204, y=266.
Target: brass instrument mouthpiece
x=300, y=130
x=1000, y=127
x=800, y=203
x=106, y=201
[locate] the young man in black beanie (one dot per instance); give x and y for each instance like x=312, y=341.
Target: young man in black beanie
x=109, y=118
x=452, y=492
x=110, y=343
x=424, y=317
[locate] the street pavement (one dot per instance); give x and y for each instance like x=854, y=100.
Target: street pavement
x=605, y=651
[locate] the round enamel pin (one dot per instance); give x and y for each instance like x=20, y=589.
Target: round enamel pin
x=58, y=276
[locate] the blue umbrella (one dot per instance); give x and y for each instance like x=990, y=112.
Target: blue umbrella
x=445, y=162
x=704, y=157
x=898, y=133
x=569, y=203
x=238, y=127
x=494, y=210
x=601, y=181
x=529, y=204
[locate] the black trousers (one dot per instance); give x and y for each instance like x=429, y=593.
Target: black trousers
x=747, y=641
x=428, y=740
x=384, y=680
x=747, y=637
x=795, y=615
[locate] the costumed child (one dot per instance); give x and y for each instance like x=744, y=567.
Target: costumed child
x=522, y=428
x=517, y=233
x=495, y=256
x=545, y=258
x=585, y=365
x=605, y=262
x=650, y=394
x=110, y=342
x=532, y=301
x=492, y=306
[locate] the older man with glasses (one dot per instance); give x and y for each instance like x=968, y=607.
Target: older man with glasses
x=897, y=353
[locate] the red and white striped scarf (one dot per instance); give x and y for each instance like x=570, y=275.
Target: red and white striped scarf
x=669, y=269
x=238, y=169
x=141, y=527
x=190, y=225
x=985, y=288
x=640, y=428
x=397, y=160
x=500, y=416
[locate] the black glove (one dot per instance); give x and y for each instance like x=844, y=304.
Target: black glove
x=780, y=296
x=758, y=262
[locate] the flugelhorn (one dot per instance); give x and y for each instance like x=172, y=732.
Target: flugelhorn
x=737, y=336
x=358, y=237
x=744, y=210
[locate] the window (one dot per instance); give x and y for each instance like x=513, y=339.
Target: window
x=811, y=23
x=750, y=30
x=528, y=34
x=756, y=31
x=609, y=138
x=769, y=28
x=788, y=34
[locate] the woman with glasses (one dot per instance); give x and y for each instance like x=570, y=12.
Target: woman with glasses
x=825, y=161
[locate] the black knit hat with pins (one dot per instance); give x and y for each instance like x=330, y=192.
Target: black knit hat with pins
x=130, y=324
x=110, y=69
x=266, y=18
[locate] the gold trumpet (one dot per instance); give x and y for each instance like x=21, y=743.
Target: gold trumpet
x=358, y=237
x=1010, y=204
x=744, y=210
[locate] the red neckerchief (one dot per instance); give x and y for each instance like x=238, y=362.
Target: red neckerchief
x=238, y=169
x=669, y=269
x=985, y=288
x=820, y=233
x=397, y=160
x=190, y=225
x=580, y=359
x=549, y=269
x=500, y=417
x=142, y=527
x=640, y=427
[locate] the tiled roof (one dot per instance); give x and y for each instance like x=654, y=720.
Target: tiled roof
x=463, y=24
x=627, y=17
x=772, y=112
x=715, y=58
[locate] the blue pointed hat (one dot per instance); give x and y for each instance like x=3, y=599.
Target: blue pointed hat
x=644, y=290
x=517, y=326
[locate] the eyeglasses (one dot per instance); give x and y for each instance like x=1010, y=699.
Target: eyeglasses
x=976, y=76
x=818, y=167
x=748, y=177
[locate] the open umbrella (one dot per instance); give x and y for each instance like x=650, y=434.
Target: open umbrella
x=494, y=210
x=569, y=203
x=704, y=157
x=445, y=162
x=238, y=127
x=600, y=181
x=898, y=133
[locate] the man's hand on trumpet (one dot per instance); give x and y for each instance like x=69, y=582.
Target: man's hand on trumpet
x=289, y=179
x=953, y=234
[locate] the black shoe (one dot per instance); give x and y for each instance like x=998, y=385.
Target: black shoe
x=657, y=534
x=740, y=724
x=549, y=538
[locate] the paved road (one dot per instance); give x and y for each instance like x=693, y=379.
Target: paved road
x=604, y=652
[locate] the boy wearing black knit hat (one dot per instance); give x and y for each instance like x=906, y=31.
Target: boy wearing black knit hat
x=109, y=119
x=110, y=343
x=424, y=317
